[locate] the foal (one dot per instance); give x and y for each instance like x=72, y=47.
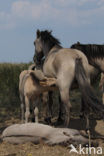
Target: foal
x=47, y=97
x=30, y=90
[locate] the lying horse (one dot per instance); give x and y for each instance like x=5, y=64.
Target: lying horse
x=66, y=65
x=30, y=90
x=37, y=133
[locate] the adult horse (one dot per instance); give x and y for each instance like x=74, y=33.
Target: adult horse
x=66, y=65
x=94, y=53
x=95, y=56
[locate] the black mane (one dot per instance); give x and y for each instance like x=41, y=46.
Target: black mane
x=46, y=37
x=92, y=51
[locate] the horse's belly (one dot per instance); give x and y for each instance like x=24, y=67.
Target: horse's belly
x=48, y=72
x=100, y=64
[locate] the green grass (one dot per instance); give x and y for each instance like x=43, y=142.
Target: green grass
x=9, y=91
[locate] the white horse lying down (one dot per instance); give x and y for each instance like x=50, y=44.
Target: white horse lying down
x=36, y=133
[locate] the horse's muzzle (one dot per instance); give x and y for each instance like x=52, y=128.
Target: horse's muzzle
x=37, y=58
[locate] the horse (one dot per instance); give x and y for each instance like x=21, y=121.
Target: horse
x=94, y=53
x=95, y=56
x=101, y=85
x=66, y=65
x=30, y=90
x=47, y=97
x=41, y=133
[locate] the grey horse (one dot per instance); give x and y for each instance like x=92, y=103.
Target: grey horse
x=67, y=66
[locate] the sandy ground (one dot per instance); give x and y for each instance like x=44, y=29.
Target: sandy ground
x=8, y=117
x=30, y=149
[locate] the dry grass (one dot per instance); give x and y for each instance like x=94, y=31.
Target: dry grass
x=10, y=115
x=30, y=149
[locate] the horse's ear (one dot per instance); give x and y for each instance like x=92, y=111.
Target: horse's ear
x=78, y=42
x=38, y=33
x=50, y=32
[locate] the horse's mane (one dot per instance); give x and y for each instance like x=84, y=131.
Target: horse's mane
x=47, y=37
x=90, y=50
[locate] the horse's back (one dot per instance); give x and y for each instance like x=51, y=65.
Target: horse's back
x=21, y=77
x=66, y=58
x=70, y=54
x=26, y=83
x=63, y=60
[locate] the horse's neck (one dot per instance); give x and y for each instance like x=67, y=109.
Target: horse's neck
x=48, y=64
x=97, y=63
x=53, y=50
x=51, y=53
x=39, y=67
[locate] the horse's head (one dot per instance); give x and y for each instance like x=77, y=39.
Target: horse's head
x=76, y=45
x=43, y=43
x=38, y=47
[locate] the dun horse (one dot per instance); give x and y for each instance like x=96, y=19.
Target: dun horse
x=94, y=53
x=66, y=65
x=47, y=97
x=30, y=91
x=95, y=56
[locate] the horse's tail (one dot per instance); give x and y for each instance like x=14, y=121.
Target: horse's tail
x=89, y=96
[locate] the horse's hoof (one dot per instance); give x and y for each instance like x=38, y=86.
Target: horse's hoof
x=66, y=124
x=33, y=119
x=48, y=120
x=87, y=130
x=59, y=122
x=81, y=115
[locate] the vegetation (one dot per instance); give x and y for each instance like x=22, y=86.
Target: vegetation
x=10, y=108
x=9, y=80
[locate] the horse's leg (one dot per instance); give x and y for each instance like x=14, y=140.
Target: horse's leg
x=36, y=101
x=47, y=105
x=22, y=109
x=101, y=85
x=36, y=112
x=22, y=113
x=50, y=103
x=61, y=108
x=64, y=81
x=87, y=122
x=65, y=99
x=27, y=113
x=82, y=108
x=103, y=88
x=103, y=94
